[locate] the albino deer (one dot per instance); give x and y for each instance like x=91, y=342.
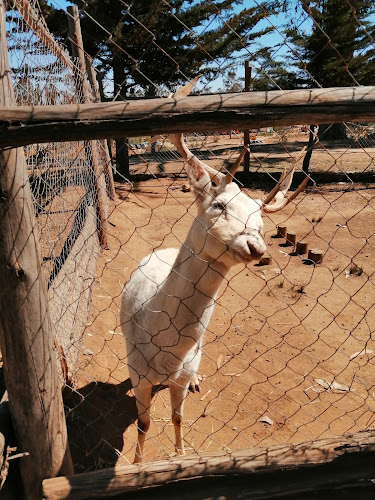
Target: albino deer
x=169, y=300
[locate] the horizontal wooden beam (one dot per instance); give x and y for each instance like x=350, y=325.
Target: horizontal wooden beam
x=323, y=463
x=31, y=124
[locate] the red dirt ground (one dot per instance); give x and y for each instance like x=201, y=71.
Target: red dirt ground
x=275, y=330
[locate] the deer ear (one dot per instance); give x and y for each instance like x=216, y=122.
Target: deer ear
x=199, y=178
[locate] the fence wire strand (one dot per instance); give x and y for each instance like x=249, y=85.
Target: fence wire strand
x=288, y=355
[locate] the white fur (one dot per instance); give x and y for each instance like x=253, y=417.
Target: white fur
x=169, y=300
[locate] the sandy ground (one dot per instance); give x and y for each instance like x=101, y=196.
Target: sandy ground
x=278, y=336
x=273, y=154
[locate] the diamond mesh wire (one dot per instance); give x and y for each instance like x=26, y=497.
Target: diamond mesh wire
x=288, y=354
x=61, y=175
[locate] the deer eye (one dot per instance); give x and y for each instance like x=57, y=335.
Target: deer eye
x=219, y=206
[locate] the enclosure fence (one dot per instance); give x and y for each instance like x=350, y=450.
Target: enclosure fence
x=288, y=356
x=65, y=186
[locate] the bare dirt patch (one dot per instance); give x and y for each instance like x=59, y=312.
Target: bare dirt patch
x=278, y=334
x=273, y=154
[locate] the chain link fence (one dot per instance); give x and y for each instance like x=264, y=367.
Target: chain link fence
x=288, y=353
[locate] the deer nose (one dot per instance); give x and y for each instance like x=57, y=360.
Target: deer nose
x=256, y=250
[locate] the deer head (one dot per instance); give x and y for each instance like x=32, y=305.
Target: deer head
x=230, y=225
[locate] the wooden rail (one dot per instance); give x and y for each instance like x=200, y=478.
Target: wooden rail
x=36, y=124
x=261, y=472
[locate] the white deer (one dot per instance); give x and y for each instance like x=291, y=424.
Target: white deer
x=169, y=300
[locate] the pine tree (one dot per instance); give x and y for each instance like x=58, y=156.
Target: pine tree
x=339, y=51
x=148, y=46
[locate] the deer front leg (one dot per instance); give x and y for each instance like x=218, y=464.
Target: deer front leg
x=178, y=395
x=143, y=401
x=194, y=383
x=194, y=365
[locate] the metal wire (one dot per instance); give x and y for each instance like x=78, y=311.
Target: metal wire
x=288, y=354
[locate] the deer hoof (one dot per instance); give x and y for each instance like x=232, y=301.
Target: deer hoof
x=194, y=383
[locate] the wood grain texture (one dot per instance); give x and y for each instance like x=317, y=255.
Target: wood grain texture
x=83, y=93
x=302, y=247
x=107, y=163
x=30, y=124
x=324, y=461
x=26, y=339
x=315, y=255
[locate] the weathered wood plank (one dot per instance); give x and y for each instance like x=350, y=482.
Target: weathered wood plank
x=107, y=162
x=30, y=124
x=118, y=110
x=26, y=339
x=83, y=92
x=251, y=462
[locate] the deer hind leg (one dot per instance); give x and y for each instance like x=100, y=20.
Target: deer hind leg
x=143, y=401
x=178, y=395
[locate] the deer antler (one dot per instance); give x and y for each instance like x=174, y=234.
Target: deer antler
x=185, y=152
x=270, y=196
x=280, y=190
x=177, y=139
x=233, y=169
x=185, y=90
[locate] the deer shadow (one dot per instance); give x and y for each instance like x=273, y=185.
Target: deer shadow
x=97, y=415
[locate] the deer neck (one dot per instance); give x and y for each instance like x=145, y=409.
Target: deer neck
x=193, y=270
x=190, y=289
x=195, y=264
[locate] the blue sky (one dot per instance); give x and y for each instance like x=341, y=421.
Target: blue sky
x=272, y=40
x=275, y=40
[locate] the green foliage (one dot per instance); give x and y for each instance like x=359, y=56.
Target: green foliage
x=147, y=46
x=339, y=49
x=336, y=51
x=274, y=74
x=144, y=45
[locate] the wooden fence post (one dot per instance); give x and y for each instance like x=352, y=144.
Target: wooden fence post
x=107, y=160
x=82, y=89
x=246, y=133
x=26, y=340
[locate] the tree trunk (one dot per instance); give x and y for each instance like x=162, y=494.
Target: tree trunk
x=122, y=149
x=332, y=132
x=307, y=158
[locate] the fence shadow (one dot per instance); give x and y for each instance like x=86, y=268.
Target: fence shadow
x=97, y=415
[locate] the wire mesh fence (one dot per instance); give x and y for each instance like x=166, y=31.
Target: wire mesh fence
x=61, y=175
x=287, y=356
